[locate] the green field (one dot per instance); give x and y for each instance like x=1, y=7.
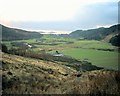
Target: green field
x=79, y=49
x=100, y=58
x=87, y=49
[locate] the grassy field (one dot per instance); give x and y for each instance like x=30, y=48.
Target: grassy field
x=87, y=49
x=100, y=58
x=79, y=49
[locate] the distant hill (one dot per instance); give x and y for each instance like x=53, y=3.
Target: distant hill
x=105, y=34
x=95, y=34
x=18, y=34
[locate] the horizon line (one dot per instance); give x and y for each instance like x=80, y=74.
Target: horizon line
x=52, y=31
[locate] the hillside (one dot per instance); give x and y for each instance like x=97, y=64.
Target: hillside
x=17, y=34
x=95, y=34
x=23, y=75
x=102, y=33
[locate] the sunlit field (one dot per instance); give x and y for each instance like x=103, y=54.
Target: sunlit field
x=96, y=52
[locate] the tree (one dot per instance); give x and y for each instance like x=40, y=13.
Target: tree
x=115, y=40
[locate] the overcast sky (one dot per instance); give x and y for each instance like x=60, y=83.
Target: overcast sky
x=58, y=15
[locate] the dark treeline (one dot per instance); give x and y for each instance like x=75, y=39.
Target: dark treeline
x=115, y=40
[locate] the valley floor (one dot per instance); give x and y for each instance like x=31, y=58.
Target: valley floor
x=99, y=53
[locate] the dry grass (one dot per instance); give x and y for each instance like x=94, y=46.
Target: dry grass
x=33, y=76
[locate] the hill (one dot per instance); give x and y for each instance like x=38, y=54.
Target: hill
x=95, y=34
x=22, y=75
x=18, y=34
x=104, y=34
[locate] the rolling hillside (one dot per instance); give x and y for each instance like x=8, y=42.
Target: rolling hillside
x=96, y=34
x=18, y=34
x=23, y=75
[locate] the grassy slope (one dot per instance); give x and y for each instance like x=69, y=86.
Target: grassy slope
x=22, y=75
x=32, y=76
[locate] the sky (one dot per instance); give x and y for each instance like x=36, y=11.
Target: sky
x=60, y=16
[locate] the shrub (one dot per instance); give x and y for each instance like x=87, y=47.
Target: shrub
x=4, y=48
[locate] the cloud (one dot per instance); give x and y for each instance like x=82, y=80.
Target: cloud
x=97, y=14
x=42, y=10
x=65, y=15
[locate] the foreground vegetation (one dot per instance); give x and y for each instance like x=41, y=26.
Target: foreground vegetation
x=21, y=75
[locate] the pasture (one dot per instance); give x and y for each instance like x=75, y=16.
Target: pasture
x=93, y=51
x=99, y=58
